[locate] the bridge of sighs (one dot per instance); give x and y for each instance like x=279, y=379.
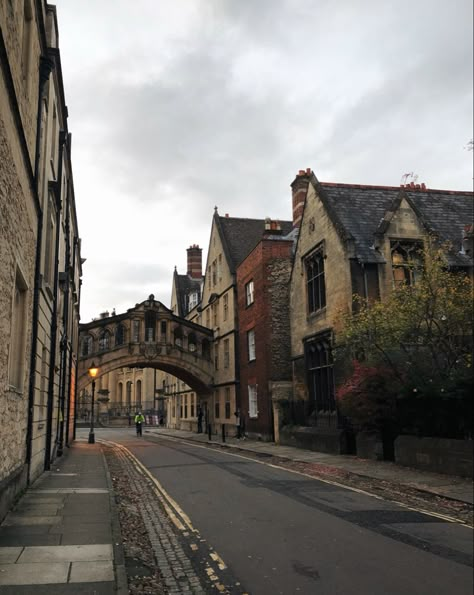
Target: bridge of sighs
x=147, y=336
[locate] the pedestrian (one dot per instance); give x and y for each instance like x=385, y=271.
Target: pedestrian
x=199, y=420
x=237, y=424
x=139, y=420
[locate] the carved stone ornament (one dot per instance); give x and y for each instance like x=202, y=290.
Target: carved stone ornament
x=311, y=225
x=150, y=350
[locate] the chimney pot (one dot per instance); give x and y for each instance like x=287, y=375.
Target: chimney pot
x=194, y=261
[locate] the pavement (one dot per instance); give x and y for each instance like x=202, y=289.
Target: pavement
x=63, y=535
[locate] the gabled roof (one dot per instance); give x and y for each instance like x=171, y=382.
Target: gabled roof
x=184, y=285
x=240, y=236
x=446, y=214
x=361, y=212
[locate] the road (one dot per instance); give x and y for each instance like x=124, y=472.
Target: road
x=284, y=533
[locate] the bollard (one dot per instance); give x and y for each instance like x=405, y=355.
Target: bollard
x=223, y=432
x=209, y=431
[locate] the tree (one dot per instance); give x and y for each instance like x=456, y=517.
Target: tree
x=368, y=398
x=421, y=333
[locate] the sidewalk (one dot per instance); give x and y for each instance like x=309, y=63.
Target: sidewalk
x=448, y=486
x=63, y=536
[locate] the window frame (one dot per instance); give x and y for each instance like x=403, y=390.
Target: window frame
x=410, y=268
x=252, y=390
x=251, y=347
x=315, y=280
x=226, y=353
x=249, y=293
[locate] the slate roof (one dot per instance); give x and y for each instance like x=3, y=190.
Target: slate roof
x=240, y=236
x=358, y=211
x=184, y=285
x=446, y=214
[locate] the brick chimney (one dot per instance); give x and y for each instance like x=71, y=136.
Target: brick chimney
x=299, y=188
x=194, y=261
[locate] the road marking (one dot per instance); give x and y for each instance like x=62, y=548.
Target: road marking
x=331, y=482
x=174, y=511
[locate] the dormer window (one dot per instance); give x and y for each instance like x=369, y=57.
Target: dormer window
x=407, y=262
x=193, y=300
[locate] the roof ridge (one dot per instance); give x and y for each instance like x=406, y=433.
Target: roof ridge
x=401, y=187
x=224, y=217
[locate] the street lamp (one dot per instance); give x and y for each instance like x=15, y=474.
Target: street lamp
x=92, y=371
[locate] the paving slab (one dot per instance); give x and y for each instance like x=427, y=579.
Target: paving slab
x=38, y=510
x=9, y=555
x=101, y=588
x=86, y=572
x=19, y=519
x=34, y=574
x=66, y=553
x=26, y=540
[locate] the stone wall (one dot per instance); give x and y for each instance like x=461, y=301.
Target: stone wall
x=18, y=229
x=441, y=455
x=317, y=439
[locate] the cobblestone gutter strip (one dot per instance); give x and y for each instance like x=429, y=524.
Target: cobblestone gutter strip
x=163, y=553
x=388, y=490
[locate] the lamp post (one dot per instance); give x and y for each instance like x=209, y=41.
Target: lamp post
x=93, y=371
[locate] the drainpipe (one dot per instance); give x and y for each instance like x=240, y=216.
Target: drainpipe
x=45, y=69
x=238, y=403
x=65, y=340
x=71, y=349
x=54, y=314
x=76, y=252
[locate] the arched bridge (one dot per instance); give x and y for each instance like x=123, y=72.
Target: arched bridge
x=147, y=336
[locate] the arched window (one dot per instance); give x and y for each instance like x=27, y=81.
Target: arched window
x=178, y=337
x=104, y=340
x=192, y=342
x=129, y=394
x=87, y=345
x=150, y=325
x=119, y=334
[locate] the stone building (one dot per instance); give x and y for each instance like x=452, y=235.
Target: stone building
x=264, y=328
x=181, y=402
x=39, y=249
x=353, y=239
x=231, y=240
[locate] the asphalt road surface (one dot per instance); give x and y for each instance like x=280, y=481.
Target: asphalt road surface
x=284, y=533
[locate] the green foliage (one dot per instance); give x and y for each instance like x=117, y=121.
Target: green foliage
x=421, y=333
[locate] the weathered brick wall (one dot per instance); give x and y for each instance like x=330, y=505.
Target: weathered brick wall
x=269, y=266
x=278, y=276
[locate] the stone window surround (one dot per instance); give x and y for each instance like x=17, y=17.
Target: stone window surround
x=315, y=303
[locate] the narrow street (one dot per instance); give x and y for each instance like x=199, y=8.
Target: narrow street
x=281, y=532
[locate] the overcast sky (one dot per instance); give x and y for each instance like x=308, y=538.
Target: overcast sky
x=177, y=106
